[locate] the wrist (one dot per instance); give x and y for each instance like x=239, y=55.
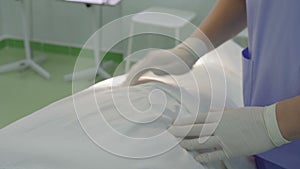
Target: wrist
x=271, y=122
x=288, y=116
x=194, y=46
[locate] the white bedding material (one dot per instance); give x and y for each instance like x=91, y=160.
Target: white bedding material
x=226, y=59
x=52, y=137
x=230, y=55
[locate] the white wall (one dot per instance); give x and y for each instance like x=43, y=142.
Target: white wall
x=59, y=22
x=200, y=7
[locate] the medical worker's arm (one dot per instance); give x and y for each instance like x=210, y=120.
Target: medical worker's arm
x=226, y=19
x=242, y=131
x=288, y=115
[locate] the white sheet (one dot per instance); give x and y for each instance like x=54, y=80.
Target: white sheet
x=230, y=55
x=53, y=138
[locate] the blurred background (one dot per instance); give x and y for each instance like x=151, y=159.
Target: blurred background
x=57, y=30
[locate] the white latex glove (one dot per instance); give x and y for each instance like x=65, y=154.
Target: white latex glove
x=242, y=131
x=176, y=61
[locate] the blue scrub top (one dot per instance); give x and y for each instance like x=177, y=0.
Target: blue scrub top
x=271, y=67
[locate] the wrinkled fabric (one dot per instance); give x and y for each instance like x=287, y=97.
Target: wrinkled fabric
x=53, y=138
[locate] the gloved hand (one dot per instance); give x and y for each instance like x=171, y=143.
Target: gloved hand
x=176, y=61
x=238, y=132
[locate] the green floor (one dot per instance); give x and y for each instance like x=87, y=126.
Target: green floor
x=23, y=91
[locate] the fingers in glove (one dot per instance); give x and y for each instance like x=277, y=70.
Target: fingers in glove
x=186, y=131
x=211, y=156
x=210, y=117
x=160, y=72
x=134, y=76
x=202, y=143
x=173, y=68
x=193, y=130
x=199, y=118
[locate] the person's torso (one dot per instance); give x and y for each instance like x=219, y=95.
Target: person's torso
x=272, y=71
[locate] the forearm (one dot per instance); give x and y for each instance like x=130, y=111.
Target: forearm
x=226, y=19
x=288, y=117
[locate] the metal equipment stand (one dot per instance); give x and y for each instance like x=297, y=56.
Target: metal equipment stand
x=88, y=73
x=28, y=61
